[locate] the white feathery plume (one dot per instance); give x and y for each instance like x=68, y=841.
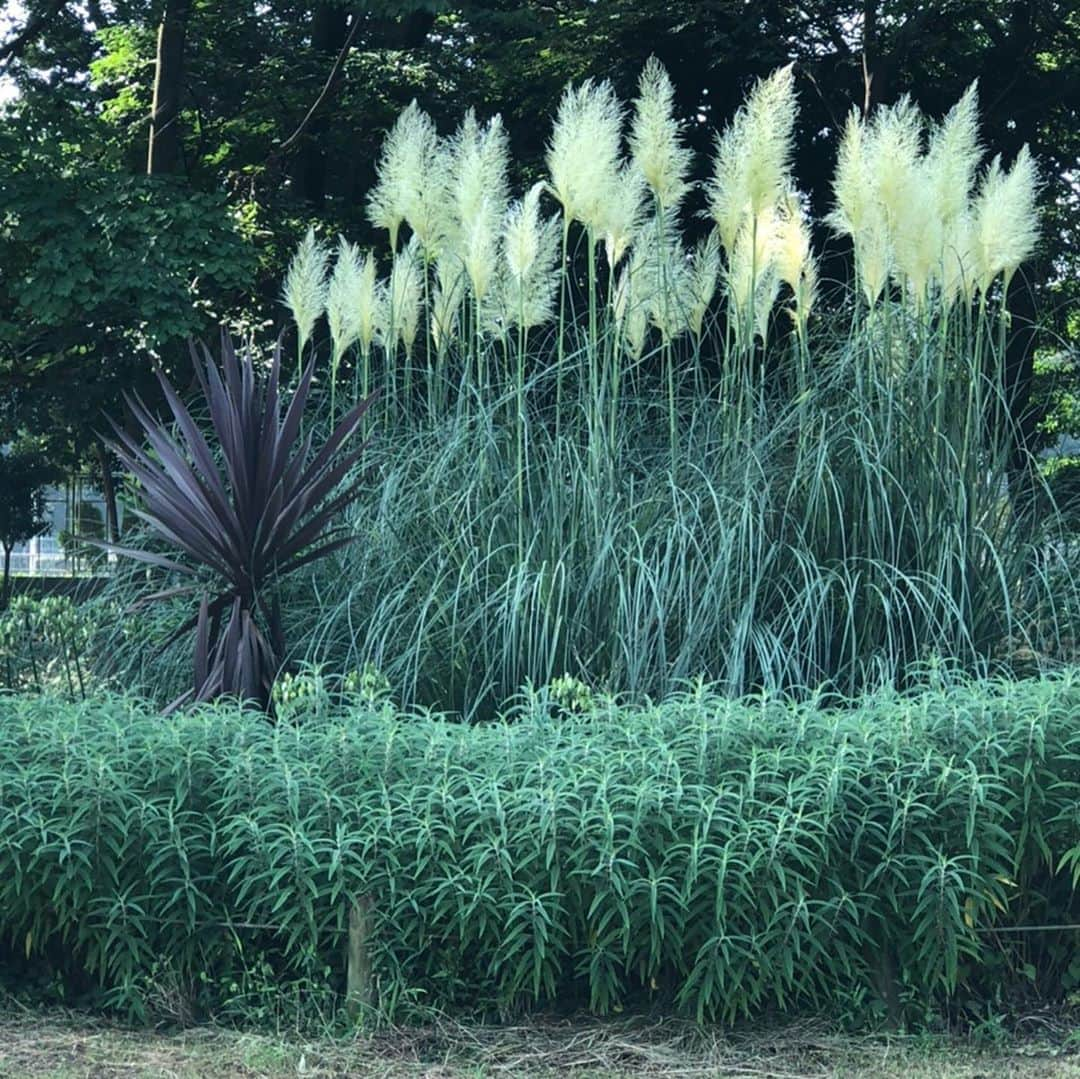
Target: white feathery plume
x=794, y=260
x=411, y=180
x=953, y=156
x=631, y=310
x=369, y=297
x=893, y=150
x=705, y=267
x=451, y=280
x=914, y=190
x=752, y=162
x=791, y=248
x=637, y=291
x=404, y=298
x=752, y=276
x=659, y=281
x=343, y=297
x=958, y=262
x=521, y=233
x=952, y=162
x=531, y=252
x=852, y=185
x=655, y=139
x=1006, y=228
x=919, y=235
x=478, y=163
x=405, y=151
x=623, y=214
x=583, y=156
x=859, y=211
x=874, y=259
x=670, y=310
x=304, y=292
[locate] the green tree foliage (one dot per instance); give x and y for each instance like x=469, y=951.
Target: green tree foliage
x=104, y=274
x=102, y=268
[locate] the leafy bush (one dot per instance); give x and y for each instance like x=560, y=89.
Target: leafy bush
x=717, y=857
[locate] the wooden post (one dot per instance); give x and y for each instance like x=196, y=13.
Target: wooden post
x=358, y=987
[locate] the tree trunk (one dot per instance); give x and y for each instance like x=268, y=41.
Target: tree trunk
x=108, y=492
x=165, y=153
x=358, y=981
x=7, y=578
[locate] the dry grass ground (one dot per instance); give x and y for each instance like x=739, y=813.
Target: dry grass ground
x=60, y=1045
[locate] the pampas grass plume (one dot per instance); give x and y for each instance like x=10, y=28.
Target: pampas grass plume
x=791, y=247
x=583, y=156
x=400, y=163
x=370, y=296
x=449, y=295
x=404, y=298
x=1006, y=230
x=521, y=233
x=705, y=267
x=952, y=158
x=858, y=211
x=305, y=288
x=958, y=262
x=752, y=162
x=630, y=308
x=531, y=253
x=752, y=276
x=792, y=256
x=478, y=163
x=622, y=214
x=411, y=180
x=655, y=140
x=851, y=184
x=343, y=305
x=893, y=150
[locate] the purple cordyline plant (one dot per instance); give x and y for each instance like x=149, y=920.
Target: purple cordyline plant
x=247, y=507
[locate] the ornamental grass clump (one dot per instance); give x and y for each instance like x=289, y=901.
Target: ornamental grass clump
x=632, y=436
x=914, y=213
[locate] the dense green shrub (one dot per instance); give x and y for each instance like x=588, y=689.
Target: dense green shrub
x=712, y=856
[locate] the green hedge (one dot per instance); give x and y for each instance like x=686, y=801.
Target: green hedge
x=714, y=857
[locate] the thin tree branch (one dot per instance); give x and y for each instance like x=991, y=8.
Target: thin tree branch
x=328, y=89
